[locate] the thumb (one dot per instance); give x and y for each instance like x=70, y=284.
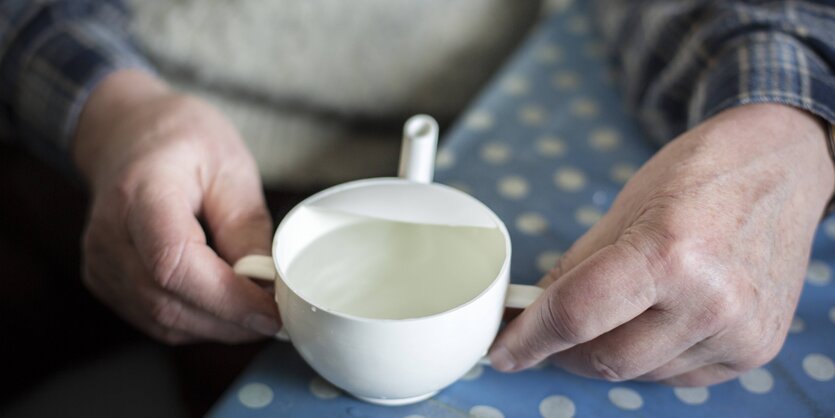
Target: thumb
x=237, y=215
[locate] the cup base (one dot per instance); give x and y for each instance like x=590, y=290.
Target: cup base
x=396, y=402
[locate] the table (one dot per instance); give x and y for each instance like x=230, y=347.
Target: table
x=548, y=146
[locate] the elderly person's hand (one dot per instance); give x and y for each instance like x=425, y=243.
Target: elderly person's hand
x=694, y=274
x=157, y=162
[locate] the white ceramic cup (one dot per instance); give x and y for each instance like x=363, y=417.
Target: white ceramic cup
x=379, y=360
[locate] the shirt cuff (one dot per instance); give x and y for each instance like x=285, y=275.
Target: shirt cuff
x=50, y=68
x=765, y=67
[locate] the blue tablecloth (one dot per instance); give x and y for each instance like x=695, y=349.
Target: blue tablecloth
x=548, y=146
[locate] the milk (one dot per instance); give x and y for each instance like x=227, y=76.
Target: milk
x=396, y=270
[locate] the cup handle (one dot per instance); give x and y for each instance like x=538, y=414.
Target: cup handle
x=521, y=295
x=518, y=296
x=259, y=267
x=256, y=266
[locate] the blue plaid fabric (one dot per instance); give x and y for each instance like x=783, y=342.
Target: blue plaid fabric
x=52, y=54
x=681, y=61
x=684, y=61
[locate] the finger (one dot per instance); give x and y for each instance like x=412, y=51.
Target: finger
x=704, y=376
x=237, y=214
x=601, y=234
x=173, y=249
x=154, y=310
x=611, y=287
x=691, y=359
x=131, y=313
x=633, y=349
x=176, y=315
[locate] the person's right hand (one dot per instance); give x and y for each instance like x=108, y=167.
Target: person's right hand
x=156, y=162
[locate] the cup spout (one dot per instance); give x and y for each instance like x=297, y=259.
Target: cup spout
x=417, y=153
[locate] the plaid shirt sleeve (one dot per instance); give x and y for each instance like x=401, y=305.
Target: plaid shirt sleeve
x=52, y=54
x=683, y=61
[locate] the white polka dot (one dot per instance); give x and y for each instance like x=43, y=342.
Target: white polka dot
x=484, y=411
x=461, y=187
x=625, y=398
x=692, y=396
x=587, y=215
x=622, y=172
x=566, y=80
x=832, y=314
x=584, y=107
x=578, y=25
x=797, y=326
x=819, y=273
x=444, y=160
x=255, y=395
x=829, y=228
x=604, y=139
x=473, y=373
x=550, y=146
x=594, y=49
x=531, y=223
x=546, y=260
x=322, y=389
x=757, y=381
x=513, y=187
x=495, y=153
x=515, y=85
x=532, y=115
x=819, y=367
x=556, y=406
x=569, y=179
x=479, y=120
x=548, y=53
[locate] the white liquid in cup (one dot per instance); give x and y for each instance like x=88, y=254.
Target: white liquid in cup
x=396, y=270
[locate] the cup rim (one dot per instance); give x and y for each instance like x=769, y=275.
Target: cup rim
x=382, y=180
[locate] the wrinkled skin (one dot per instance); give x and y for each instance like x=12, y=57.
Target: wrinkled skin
x=693, y=275
x=156, y=161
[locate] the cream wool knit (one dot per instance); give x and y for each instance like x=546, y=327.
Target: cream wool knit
x=319, y=88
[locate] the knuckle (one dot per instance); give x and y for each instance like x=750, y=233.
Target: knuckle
x=167, y=312
x=562, y=321
x=167, y=265
x=606, y=368
x=721, y=307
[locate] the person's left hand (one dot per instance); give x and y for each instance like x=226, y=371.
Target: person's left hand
x=693, y=275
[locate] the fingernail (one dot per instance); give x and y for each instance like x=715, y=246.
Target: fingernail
x=501, y=359
x=262, y=324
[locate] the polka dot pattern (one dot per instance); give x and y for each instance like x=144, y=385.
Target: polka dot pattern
x=485, y=411
x=692, y=396
x=548, y=146
x=531, y=223
x=495, y=153
x=625, y=398
x=255, y=395
x=569, y=179
x=479, y=121
x=819, y=367
x=532, y=115
x=557, y=406
x=819, y=273
x=513, y=187
x=547, y=260
x=322, y=389
x=757, y=381
x=587, y=215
